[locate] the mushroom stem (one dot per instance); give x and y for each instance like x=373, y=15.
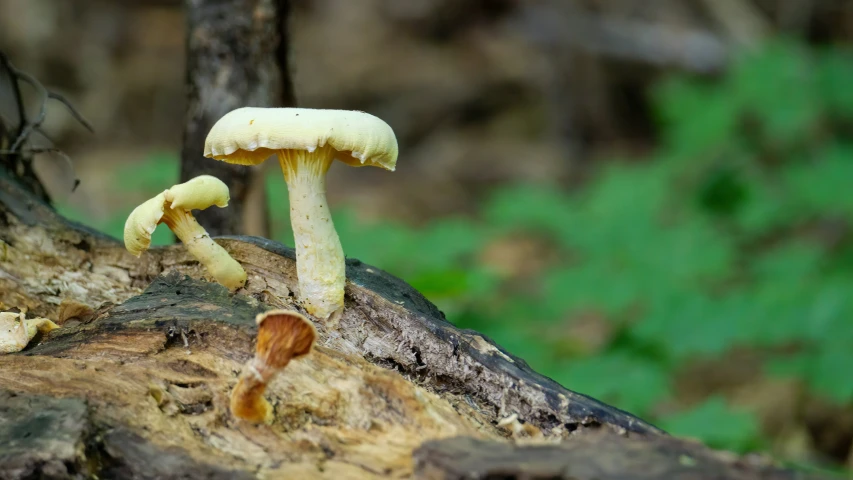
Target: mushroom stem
x=195, y=238
x=247, y=399
x=282, y=336
x=320, y=264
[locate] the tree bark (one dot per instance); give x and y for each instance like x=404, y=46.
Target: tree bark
x=237, y=56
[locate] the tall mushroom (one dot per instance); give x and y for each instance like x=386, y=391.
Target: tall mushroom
x=306, y=141
x=174, y=208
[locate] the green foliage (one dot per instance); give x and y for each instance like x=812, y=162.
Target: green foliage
x=633, y=383
x=157, y=172
x=132, y=185
x=717, y=424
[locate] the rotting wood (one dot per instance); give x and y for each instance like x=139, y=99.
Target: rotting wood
x=386, y=320
x=334, y=412
x=41, y=436
x=161, y=352
x=153, y=351
x=45, y=437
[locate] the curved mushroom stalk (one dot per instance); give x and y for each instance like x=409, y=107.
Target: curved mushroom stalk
x=174, y=208
x=282, y=336
x=221, y=266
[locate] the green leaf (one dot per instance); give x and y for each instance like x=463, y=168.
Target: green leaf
x=155, y=173
x=823, y=186
x=696, y=118
x=279, y=208
x=823, y=369
x=794, y=259
x=536, y=207
x=835, y=69
x=764, y=209
x=588, y=287
x=777, y=85
x=686, y=324
x=624, y=381
x=716, y=424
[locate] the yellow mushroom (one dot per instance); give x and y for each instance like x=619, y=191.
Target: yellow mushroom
x=174, y=208
x=306, y=142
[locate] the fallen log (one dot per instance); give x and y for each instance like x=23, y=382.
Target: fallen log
x=136, y=382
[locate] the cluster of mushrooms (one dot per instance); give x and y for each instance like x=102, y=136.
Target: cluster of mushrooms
x=306, y=142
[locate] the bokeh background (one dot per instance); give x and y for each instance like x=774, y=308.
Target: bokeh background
x=651, y=202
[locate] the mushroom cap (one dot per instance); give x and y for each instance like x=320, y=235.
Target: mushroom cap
x=196, y=194
x=142, y=222
x=284, y=335
x=13, y=332
x=250, y=135
x=39, y=324
x=199, y=193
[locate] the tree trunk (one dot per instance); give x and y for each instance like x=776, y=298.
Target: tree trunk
x=237, y=56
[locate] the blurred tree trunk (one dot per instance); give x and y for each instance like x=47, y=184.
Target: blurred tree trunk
x=237, y=55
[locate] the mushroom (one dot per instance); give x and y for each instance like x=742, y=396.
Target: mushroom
x=283, y=336
x=16, y=330
x=306, y=141
x=174, y=208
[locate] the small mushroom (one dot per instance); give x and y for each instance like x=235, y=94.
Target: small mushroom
x=283, y=336
x=16, y=330
x=174, y=208
x=306, y=142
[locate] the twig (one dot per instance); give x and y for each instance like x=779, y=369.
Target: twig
x=54, y=150
x=22, y=113
x=73, y=111
x=26, y=128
